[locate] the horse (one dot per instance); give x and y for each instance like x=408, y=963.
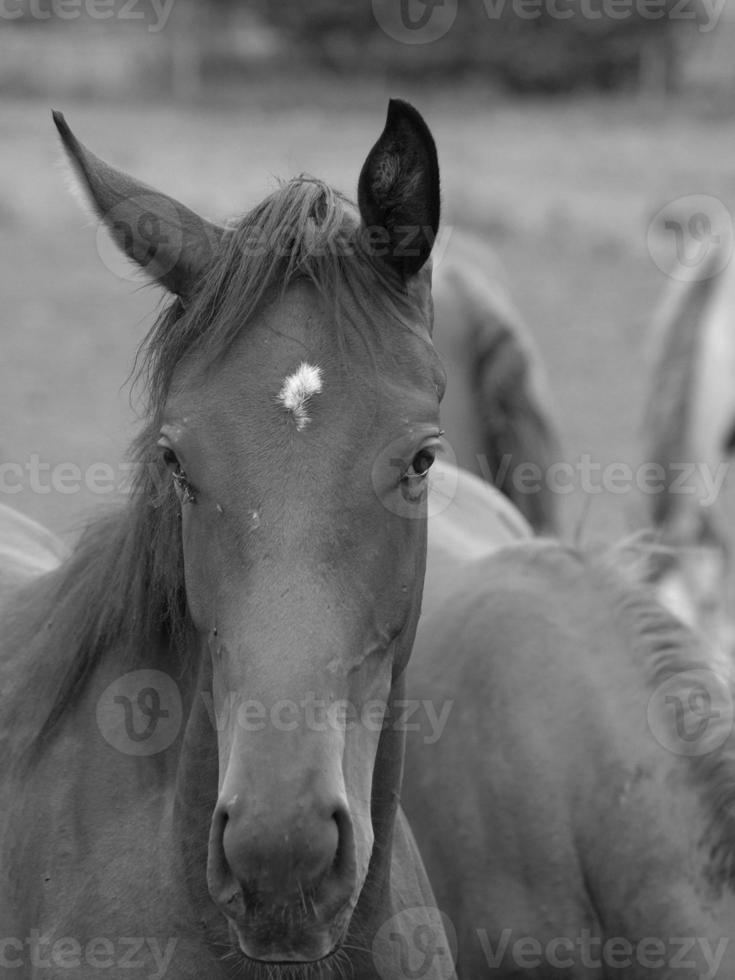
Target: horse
x=497, y=411
x=687, y=434
x=575, y=809
x=200, y=776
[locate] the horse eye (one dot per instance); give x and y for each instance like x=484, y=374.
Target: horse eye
x=168, y=456
x=422, y=462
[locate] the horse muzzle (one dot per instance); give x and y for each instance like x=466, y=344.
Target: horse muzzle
x=285, y=876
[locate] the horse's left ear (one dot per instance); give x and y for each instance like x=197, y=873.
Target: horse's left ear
x=398, y=191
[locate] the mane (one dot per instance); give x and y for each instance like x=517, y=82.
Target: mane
x=667, y=412
x=123, y=587
x=666, y=649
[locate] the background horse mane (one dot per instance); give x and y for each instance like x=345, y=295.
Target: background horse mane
x=666, y=649
x=498, y=412
x=515, y=425
x=123, y=587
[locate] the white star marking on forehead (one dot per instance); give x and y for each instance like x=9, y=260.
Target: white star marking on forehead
x=297, y=389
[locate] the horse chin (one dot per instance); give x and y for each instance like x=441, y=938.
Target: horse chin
x=290, y=944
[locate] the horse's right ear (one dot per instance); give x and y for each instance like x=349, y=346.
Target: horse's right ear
x=169, y=242
x=398, y=191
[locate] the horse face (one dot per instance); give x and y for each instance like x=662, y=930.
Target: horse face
x=304, y=547
x=299, y=456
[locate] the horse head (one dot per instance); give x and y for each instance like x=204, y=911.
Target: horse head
x=294, y=417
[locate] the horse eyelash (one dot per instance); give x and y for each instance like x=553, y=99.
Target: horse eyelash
x=188, y=494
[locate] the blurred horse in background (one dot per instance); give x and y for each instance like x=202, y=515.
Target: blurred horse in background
x=575, y=811
x=497, y=411
x=688, y=433
x=588, y=734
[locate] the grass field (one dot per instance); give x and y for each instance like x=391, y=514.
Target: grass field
x=565, y=191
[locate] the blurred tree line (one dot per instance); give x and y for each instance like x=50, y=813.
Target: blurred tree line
x=522, y=45
x=525, y=45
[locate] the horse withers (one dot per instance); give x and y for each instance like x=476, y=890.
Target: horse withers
x=198, y=775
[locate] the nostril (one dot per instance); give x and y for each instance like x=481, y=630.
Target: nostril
x=339, y=850
x=343, y=854
x=222, y=885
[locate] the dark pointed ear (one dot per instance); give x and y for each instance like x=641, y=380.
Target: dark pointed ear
x=398, y=191
x=169, y=242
